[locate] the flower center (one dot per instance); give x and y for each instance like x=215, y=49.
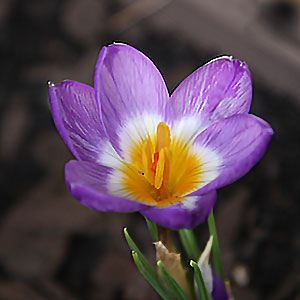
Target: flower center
x=161, y=169
x=156, y=158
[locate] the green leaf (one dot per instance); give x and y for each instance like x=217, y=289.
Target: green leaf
x=153, y=230
x=146, y=269
x=152, y=281
x=204, y=294
x=132, y=245
x=217, y=262
x=189, y=243
x=173, y=286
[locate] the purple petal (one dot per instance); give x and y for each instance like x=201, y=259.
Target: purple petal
x=239, y=141
x=219, y=289
x=87, y=182
x=219, y=89
x=127, y=85
x=76, y=116
x=182, y=215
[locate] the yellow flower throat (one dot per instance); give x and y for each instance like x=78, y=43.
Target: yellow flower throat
x=161, y=170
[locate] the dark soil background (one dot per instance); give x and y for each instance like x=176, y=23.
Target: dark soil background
x=50, y=246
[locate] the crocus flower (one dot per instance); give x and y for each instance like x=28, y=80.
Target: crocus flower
x=213, y=283
x=137, y=148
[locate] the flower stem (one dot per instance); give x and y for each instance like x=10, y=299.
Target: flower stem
x=217, y=262
x=189, y=243
x=165, y=236
x=153, y=230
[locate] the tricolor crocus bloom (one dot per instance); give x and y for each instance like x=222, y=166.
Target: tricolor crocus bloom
x=138, y=148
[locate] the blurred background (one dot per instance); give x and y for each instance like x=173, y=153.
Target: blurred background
x=50, y=246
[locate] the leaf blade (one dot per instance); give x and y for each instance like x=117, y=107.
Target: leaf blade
x=204, y=294
x=174, y=287
x=152, y=281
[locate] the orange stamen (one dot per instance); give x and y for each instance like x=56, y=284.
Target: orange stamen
x=167, y=169
x=155, y=161
x=163, y=136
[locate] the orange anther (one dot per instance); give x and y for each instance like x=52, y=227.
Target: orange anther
x=163, y=138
